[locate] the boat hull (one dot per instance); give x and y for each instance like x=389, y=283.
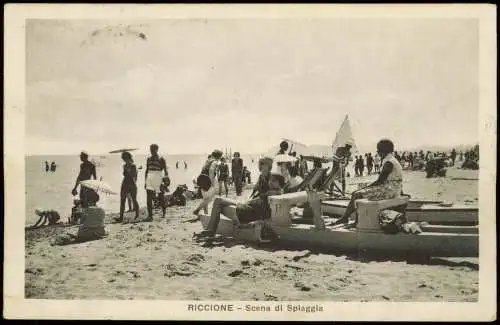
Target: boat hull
x=438, y=242
x=418, y=211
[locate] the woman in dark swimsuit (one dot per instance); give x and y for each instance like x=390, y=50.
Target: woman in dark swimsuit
x=129, y=186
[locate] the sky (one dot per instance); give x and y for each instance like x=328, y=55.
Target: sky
x=195, y=85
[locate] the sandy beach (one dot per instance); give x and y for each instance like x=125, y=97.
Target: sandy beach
x=162, y=260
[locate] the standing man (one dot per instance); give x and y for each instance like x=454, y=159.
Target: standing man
x=47, y=166
x=87, y=171
x=340, y=160
x=453, y=156
x=369, y=163
x=237, y=172
x=156, y=169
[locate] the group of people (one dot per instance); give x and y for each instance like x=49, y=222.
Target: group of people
x=52, y=167
x=275, y=180
x=277, y=176
x=371, y=163
x=177, y=165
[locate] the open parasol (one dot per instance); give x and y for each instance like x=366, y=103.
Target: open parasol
x=123, y=150
x=314, y=158
x=284, y=158
x=98, y=186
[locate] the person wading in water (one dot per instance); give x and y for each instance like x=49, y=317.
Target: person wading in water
x=87, y=171
x=156, y=169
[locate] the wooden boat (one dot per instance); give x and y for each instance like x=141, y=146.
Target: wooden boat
x=434, y=240
x=429, y=211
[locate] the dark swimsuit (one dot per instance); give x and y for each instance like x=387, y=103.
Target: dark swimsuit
x=129, y=176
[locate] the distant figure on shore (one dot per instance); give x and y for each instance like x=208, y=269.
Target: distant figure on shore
x=207, y=181
x=53, y=166
x=376, y=162
x=47, y=167
x=223, y=177
x=237, y=172
x=87, y=171
x=341, y=159
x=156, y=169
x=453, y=156
x=185, y=165
x=129, y=185
x=388, y=185
x=410, y=160
x=177, y=165
x=163, y=195
x=369, y=163
x=461, y=156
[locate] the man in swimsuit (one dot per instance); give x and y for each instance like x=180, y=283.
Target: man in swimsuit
x=156, y=169
x=340, y=161
x=87, y=171
x=237, y=172
x=223, y=176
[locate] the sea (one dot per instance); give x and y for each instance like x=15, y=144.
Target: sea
x=52, y=190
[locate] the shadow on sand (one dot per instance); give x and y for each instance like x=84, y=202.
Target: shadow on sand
x=359, y=256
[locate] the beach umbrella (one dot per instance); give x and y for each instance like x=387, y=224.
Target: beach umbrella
x=284, y=159
x=123, y=150
x=314, y=158
x=98, y=186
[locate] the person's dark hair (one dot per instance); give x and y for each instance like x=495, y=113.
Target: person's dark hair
x=236, y=154
x=385, y=146
x=317, y=163
x=92, y=197
x=294, y=154
x=154, y=146
x=217, y=154
x=127, y=156
x=284, y=145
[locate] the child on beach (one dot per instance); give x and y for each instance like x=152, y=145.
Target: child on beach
x=76, y=212
x=49, y=217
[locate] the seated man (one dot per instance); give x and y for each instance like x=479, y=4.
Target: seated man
x=257, y=208
x=388, y=185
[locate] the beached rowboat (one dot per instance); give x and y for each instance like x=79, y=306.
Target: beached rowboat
x=435, y=240
x=429, y=211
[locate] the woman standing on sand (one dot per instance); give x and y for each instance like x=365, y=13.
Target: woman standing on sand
x=388, y=185
x=129, y=186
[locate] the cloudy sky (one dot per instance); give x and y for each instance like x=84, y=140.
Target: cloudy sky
x=193, y=85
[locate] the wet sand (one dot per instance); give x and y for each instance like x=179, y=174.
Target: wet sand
x=161, y=260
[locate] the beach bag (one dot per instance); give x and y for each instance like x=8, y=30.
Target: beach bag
x=391, y=222
x=203, y=181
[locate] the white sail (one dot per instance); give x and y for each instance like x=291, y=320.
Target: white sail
x=343, y=136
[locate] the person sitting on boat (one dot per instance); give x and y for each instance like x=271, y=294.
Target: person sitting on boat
x=292, y=179
x=388, y=185
x=257, y=208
